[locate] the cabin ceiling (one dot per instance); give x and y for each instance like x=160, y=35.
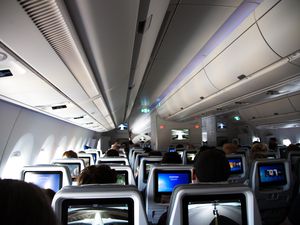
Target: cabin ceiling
x=105, y=60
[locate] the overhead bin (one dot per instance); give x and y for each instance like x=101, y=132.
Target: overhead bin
x=249, y=55
x=295, y=101
x=246, y=55
x=274, y=109
x=280, y=27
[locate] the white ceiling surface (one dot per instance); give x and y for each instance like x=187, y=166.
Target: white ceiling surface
x=109, y=27
x=247, y=54
x=49, y=82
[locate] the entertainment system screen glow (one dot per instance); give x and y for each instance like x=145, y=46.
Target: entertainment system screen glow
x=215, y=209
x=236, y=165
x=45, y=179
x=112, y=162
x=190, y=157
x=180, y=134
x=122, y=177
x=98, y=211
x=271, y=175
x=147, y=167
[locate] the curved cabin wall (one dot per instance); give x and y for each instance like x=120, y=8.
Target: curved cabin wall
x=28, y=137
x=257, y=52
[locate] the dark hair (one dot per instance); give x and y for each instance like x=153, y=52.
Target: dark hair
x=24, y=203
x=155, y=153
x=171, y=158
x=70, y=154
x=211, y=166
x=100, y=174
x=112, y=153
x=147, y=149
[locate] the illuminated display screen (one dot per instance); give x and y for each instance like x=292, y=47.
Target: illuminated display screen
x=236, y=166
x=122, y=177
x=215, y=209
x=98, y=211
x=272, y=174
x=45, y=179
x=180, y=134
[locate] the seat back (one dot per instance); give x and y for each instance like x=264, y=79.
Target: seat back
x=293, y=157
x=124, y=174
x=271, y=183
x=94, y=154
x=113, y=161
x=145, y=166
x=87, y=158
x=74, y=165
x=133, y=155
x=137, y=161
x=99, y=204
x=161, y=182
x=238, y=168
x=205, y=203
x=47, y=176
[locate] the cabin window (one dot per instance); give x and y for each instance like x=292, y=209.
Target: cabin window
x=286, y=142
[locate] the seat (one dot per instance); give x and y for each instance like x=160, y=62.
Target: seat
x=124, y=174
x=133, y=155
x=113, y=161
x=137, y=162
x=161, y=182
x=87, y=158
x=145, y=166
x=74, y=165
x=238, y=168
x=94, y=153
x=47, y=176
x=271, y=183
x=292, y=157
x=207, y=203
x=99, y=204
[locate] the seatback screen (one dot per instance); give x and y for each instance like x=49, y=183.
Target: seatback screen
x=45, y=179
x=147, y=167
x=98, y=211
x=165, y=182
x=190, y=157
x=236, y=165
x=271, y=175
x=112, y=162
x=215, y=209
x=122, y=177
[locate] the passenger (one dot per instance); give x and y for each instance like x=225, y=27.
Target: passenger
x=155, y=153
x=211, y=166
x=147, y=149
x=258, y=151
x=171, y=158
x=100, y=174
x=273, y=144
x=112, y=153
x=70, y=154
x=230, y=148
x=24, y=203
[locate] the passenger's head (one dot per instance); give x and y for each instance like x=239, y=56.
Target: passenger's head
x=70, y=154
x=259, y=147
x=171, y=158
x=211, y=166
x=24, y=203
x=112, y=153
x=147, y=149
x=155, y=153
x=273, y=143
x=230, y=148
x=100, y=174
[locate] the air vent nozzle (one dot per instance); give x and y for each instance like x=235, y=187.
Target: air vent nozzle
x=242, y=76
x=5, y=73
x=59, y=107
x=78, y=117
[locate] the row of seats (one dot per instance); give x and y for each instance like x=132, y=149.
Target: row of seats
x=270, y=180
